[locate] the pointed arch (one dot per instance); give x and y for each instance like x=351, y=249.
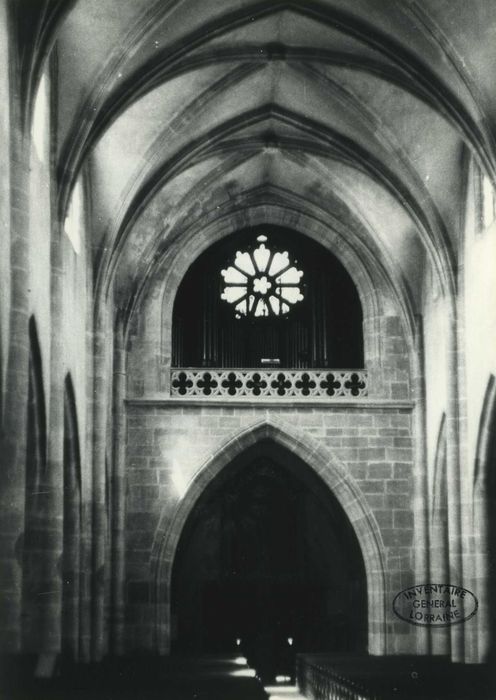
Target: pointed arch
x=438, y=533
x=368, y=271
x=439, y=487
x=484, y=521
x=72, y=506
x=331, y=472
x=301, y=325
x=36, y=461
x=486, y=435
x=37, y=392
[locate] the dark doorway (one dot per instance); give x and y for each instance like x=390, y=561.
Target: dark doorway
x=268, y=565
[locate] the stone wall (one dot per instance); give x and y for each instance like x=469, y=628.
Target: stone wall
x=47, y=287
x=167, y=446
x=169, y=440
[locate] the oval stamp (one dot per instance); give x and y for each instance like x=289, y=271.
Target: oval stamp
x=435, y=604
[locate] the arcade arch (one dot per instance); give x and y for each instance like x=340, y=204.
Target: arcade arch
x=323, y=466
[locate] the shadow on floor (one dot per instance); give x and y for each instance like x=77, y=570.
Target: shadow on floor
x=208, y=678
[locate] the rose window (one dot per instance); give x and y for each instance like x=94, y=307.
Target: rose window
x=262, y=282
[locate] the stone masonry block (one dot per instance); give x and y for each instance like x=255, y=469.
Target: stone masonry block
x=353, y=441
x=399, y=390
x=397, y=537
x=313, y=419
x=402, y=470
x=372, y=454
x=142, y=477
x=144, y=493
x=139, y=539
x=402, y=441
x=333, y=432
x=363, y=420
x=347, y=454
x=359, y=471
x=403, y=519
x=373, y=486
x=138, y=463
x=379, y=470
x=397, y=501
x=229, y=421
x=400, y=420
x=336, y=420
x=380, y=441
x=141, y=521
x=398, y=486
x=384, y=518
x=401, y=454
x=143, y=450
x=376, y=500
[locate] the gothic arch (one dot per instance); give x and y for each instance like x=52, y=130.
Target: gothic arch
x=334, y=242
x=487, y=427
x=365, y=262
x=484, y=524
x=331, y=472
x=438, y=531
x=318, y=323
x=439, y=485
x=71, y=558
x=36, y=461
x=363, y=267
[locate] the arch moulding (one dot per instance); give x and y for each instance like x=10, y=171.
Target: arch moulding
x=330, y=470
x=369, y=273
x=482, y=500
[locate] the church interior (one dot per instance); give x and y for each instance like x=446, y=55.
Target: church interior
x=247, y=349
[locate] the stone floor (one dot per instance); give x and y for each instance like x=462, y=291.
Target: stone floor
x=283, y=692
x=231, y=678
x=208, y=678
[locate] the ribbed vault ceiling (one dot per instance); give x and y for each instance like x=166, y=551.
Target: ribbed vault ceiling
x=352, y=112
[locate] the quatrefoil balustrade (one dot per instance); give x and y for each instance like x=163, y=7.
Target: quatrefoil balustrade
x=280, y=384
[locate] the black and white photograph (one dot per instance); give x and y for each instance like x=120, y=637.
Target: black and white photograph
x=247, y=350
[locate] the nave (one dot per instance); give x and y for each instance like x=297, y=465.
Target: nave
x=247, y=383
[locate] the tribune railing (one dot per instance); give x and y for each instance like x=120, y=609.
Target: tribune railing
x=263, y=383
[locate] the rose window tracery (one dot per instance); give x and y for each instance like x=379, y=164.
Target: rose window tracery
x=262, y=282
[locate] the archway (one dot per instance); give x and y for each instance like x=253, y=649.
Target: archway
x=267, y=296
x=268, y=564
x=484, y=509
x=71, y=558
x=331, y=476
x=33, y=555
